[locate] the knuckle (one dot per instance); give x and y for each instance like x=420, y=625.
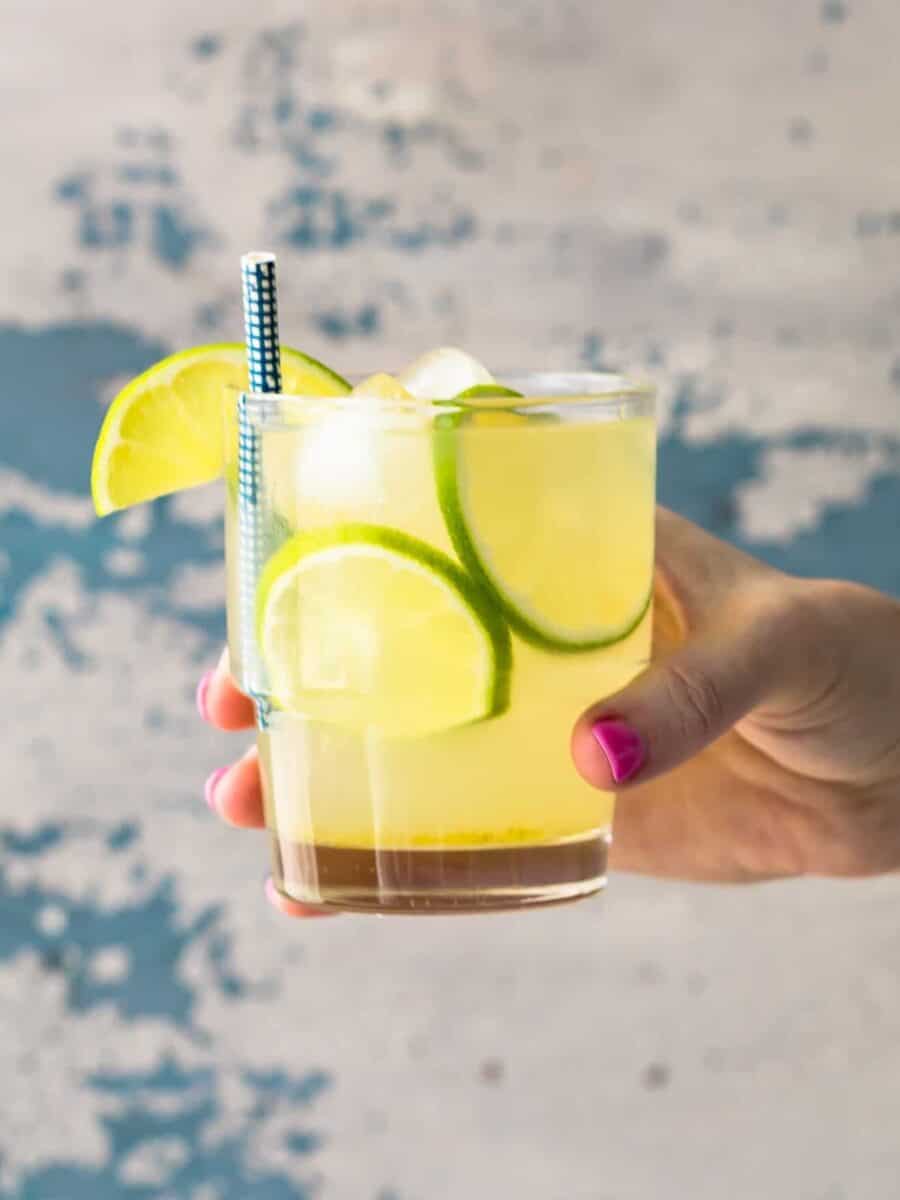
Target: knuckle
x=697, y=700
x=854, y=837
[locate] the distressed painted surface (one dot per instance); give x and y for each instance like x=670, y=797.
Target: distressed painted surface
x=708, y=190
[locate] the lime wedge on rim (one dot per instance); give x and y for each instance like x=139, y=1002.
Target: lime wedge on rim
x=554, y=519
x=165, y=430
x=368, y=627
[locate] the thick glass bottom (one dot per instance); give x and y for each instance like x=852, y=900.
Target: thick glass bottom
x=438, y=881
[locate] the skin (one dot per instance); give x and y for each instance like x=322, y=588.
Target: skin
x=769, y=722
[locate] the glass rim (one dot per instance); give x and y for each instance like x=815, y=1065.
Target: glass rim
x=577, y=393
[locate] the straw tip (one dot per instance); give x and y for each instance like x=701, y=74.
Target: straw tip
x=257, y=258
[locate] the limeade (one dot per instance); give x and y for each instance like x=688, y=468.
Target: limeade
x=452, y=568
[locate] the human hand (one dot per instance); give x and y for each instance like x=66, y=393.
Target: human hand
x=764, y=741
x=234, y=793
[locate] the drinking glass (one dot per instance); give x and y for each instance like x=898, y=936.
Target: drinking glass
x=423, y=597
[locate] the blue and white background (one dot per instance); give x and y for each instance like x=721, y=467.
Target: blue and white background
x=708, y=190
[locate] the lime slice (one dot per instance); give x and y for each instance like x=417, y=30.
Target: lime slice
x=442, y=374
x=488, y=391
x=555, y=519
x=165, y=430
x=382, y=387
x=365, y=626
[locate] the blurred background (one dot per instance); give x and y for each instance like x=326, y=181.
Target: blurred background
x=708, y=191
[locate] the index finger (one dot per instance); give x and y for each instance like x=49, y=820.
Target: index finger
x=221, y=701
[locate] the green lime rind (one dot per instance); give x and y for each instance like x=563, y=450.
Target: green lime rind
x=488, y=391
x=479, y=603
x=288, y=354
x=446, y=448
x=183, y=357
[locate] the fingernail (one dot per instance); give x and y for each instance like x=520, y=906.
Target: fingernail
x=623, y=748
x=271, y=891
x=209, y=788
x=200, y=696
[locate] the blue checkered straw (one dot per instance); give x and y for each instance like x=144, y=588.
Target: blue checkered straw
x=264, y=365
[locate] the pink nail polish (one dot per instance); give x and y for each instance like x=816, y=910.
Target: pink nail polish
x=200, y=696
x=623, y=747
x=209, y=788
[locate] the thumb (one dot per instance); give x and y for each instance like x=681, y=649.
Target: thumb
x=673, y=710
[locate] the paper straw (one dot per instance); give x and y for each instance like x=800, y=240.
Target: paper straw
x=264, y=367
x=261, y=322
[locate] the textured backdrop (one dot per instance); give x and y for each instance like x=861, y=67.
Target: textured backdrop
x=708, y=190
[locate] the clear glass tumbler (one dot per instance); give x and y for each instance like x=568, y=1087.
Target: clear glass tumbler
x=429, y=595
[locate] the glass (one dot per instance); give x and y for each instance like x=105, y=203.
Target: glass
x=543, y=505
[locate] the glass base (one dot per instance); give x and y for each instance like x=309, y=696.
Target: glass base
x=435, y=882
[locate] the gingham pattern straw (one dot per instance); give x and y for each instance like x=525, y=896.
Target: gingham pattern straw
x=264, y=366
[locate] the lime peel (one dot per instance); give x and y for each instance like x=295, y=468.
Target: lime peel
x=426, y=685
x=488, y=391
x=449, y=458
x=165, y=430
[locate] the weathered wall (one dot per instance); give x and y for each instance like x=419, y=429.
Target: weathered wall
x=709, y=190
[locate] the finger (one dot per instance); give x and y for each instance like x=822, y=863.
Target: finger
x=221, y=702
x=722, y=615
x=675, y=709
x=235, y=793
x=292, y=908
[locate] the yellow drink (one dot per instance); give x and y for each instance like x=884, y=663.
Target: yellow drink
x=410, y=547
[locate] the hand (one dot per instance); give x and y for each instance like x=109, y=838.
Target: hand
x=765, y=740
x=235, y=793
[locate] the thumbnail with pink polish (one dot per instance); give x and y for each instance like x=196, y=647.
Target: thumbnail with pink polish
x=623, y=748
